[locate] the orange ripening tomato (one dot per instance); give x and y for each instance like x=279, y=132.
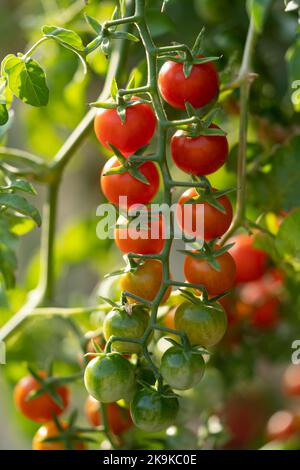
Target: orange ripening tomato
x=42, y=408
x=49, y=430
x=216, y=223
x=291, y=380
x=145, y=282
x=251, y=262
x=199, y=271
x=146, y=239
x=136, y=131
x=199, y=88
x=119, y=419
x=281, y=425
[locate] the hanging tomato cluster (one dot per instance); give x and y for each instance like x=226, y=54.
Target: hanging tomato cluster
x=131, y=178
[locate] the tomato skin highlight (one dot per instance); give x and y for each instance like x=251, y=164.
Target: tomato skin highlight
x=41, y=408
x=109, y=378
x=146, y=240
x=199, y=271
x=204, y=325
x=199, y=89
x=216, y=223
x=200, y=155
x=130, y=325
x=281, y=425
x=145, y=282
x=181, y=369
x=250, y=261
x=48, y=430
x=119, y=419
x=114, y=186
x=152, y=412
x=127, y=137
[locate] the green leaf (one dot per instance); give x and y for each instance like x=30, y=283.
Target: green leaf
x=124, y=35
x=65, y=37
x=18, y=184
x=20, y=205
x=3, y=114
x=8, y=261
x=288, y=241
x=95, y=25
x=258, y=10
x=114, y=88
x=93, y=45
x=26, y=79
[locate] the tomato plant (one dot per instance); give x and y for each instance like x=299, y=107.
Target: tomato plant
x=250, y=261
x=118, y=418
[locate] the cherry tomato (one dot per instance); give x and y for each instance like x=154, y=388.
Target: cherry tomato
x=109, y=378
x=129, y=322
x=204, y=325
x=266, y=315
x=49, y=430
x=199, y=271
x=123, y=184
x=168, y=319
x=127, y=137
x=216, y=223
x=119, y=419
x=199, y=88
x=151, y=411
x=281, y=425
x=43, y=407
x=250, y=261
x=291, y=380
x=144, y=240
x=200, y=155
x=145, y=282
x=182, y=369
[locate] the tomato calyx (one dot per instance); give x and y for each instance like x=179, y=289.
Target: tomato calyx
x=187, y=347
x=203, y=299
x=70, y=434
x=208, y=194
x=209, y=252
x=201, y=125
x=49, y=384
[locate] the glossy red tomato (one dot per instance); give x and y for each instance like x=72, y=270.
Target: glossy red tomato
x=291, y=380
x=199, y=271
x=149, y=238
x=216, y=223
x=119, y=419
x=200, y=155
x=199, y=89
x=281, y=425
x=250, y=262
x=123, y=184
x=127, y=137
x=50, y=430
x=42, y=408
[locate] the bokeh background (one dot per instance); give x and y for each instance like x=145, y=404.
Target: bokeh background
x=246, y=374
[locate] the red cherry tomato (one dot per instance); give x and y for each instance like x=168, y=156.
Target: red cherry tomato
x=250, y=261
x=42, y=408
x=147, y=239
x=291, y=380
x=123, y=184
x=199, y=88
x=199, y=271
x=266, y=315
x=119, y=419
x=216, y=223
x=127, y=137
x=281, y=425
x=200, y=155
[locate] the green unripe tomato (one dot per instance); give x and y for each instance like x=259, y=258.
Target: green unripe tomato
x=204, y=325
x=110, y=377
x=151, y=411
x=182, y=369
x=119, y=322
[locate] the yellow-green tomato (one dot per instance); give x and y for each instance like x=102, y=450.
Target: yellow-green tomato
x=109, y=378
x=182, y=369
x=129, y=322
x=204, y=324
